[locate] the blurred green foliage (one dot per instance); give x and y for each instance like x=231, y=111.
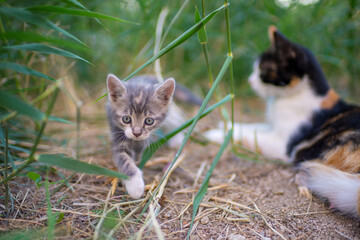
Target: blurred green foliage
x=328, y=28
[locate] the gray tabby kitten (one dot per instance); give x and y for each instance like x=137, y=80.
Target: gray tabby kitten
x=135, y=109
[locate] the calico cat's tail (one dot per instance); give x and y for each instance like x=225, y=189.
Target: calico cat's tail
x=340, y=188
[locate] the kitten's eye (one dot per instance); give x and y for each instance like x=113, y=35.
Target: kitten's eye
x=126, y=119
x=149, y=121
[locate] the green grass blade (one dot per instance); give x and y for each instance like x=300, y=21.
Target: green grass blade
x=7, y=116
x=203, y=105
x=202, y=32
x=59, y=29
x=179, y=40
x=22, y=69
x=77, y=166
x=60, y=120
x=38, y=47
x=13, y=103
x=204, y=186
x=50, y=215
x=36, y=19
x=76, y=12
x=149, y=151
x=35, y=38
x=76, y=3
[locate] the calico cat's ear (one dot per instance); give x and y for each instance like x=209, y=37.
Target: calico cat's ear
x=116, y=88
x=165, y=91
x=271, y=31
x=280, y=43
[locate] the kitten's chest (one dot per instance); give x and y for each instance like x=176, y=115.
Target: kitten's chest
x=288, y=114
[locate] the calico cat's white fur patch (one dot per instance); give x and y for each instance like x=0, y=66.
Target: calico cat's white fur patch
x=340, y=188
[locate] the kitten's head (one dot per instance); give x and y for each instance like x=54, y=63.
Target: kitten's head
x=139, y=108
x=286, y=68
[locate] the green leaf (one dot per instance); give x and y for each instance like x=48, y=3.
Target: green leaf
x=36, y=19
x=5, y=117
x=179, y=40
x=14, y=103
x=153, y=147
x=37, y=47
x=202, y=32
x=76, y=3
x=22, y=69
x=204, y=186
x=11, y=102
x=35, y=177
x=76, y=12
x=60, y=217
x=60, y=120
x=77, y=166
x=35, y=37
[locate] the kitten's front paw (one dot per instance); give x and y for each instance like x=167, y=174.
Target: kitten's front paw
x=135, y=185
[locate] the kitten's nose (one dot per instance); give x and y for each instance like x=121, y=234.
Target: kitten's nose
x=137, y=134
x=137, y=131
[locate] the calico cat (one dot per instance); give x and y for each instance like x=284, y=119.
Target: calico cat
x=135, y=109
x=307, y=124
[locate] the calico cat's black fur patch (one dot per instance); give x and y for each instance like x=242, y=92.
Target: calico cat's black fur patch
x=330, y=124
x=286, y=61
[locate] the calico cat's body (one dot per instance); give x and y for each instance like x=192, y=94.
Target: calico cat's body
x=135, y=109
x=307, y=124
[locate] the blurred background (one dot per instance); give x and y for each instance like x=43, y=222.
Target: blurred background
x=329, y=28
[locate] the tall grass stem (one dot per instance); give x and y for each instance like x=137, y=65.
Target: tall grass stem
x=231, y=71
x=6, y=166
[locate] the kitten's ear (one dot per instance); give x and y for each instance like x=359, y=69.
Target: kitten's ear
x=280, y=43
x=116, y=88
x=165, y=91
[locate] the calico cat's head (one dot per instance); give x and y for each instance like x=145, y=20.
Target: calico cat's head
x=286, y=68
x=138, y=107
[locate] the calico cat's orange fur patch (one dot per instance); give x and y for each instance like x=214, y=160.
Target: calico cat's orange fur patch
x=344, y=158
x=330, y=99
x=294, y=82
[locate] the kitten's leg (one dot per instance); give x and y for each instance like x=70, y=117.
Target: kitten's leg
x=134, y=184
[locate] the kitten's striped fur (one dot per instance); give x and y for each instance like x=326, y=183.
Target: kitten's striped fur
x=135, y=109
x=308, y=124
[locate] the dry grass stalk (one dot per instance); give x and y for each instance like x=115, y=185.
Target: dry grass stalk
x=192, y=190
x=233, y=203
x=98, y=226
x=267, y=223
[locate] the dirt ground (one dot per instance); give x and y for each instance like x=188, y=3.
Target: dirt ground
x=245, y=200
